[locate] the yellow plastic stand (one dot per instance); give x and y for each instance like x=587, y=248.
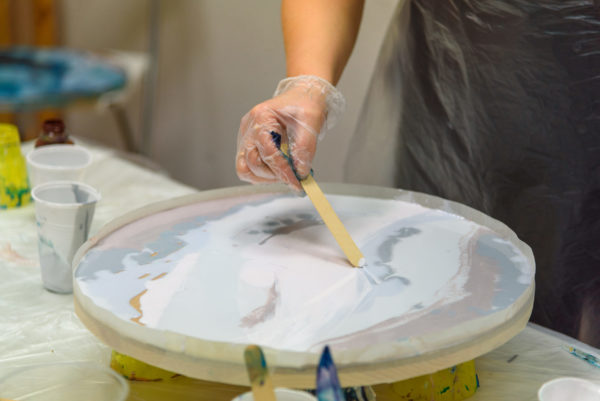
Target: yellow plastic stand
x=134, y=369
x=453, y=384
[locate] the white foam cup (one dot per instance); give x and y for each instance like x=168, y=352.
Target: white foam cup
x=569, y=388
x=64, y=212
x=57, y=163
x=281, y=394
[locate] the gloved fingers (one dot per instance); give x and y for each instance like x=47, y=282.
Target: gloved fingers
x=248, y=162
x=262, y=162
x=257, y=164
x=273, y=158
x=245, y=173
x=303, y=146
x=301, y=108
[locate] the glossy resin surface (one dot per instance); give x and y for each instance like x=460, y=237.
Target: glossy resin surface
x=262, y=268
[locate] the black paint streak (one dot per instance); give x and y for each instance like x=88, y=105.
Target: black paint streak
x=299, y=225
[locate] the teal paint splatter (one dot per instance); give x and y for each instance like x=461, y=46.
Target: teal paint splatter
x=444, y=390
x=477, y=380
x=17, y=197
x=467, y=387
x=45, y=241
x=256, y=365
x=589, y=358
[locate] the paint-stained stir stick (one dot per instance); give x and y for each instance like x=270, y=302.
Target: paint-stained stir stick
x=262, y=387
x=331, y=219
x=328, y=384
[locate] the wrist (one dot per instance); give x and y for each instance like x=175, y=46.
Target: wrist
x=322, y=73
x=335, y=102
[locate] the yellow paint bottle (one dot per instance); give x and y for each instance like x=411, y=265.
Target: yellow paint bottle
x=14, y=186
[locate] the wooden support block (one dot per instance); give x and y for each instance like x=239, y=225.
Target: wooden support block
x=6, y=36
x=22, y=22
x=6, y=39
x=7, y=118
x=45, y=23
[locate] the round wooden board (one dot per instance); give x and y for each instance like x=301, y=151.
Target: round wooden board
x=463, y=324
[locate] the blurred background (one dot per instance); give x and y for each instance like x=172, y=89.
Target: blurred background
x=194, y=68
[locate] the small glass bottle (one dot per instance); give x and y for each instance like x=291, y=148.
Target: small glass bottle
x=14, y=186
x=53, y=133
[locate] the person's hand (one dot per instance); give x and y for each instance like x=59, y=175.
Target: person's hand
x=302, y=109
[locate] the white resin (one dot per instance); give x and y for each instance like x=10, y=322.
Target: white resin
x=221, y=271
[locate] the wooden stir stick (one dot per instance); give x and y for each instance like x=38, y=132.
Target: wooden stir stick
x=333, y=222
x=262, y=387
x=330, y=218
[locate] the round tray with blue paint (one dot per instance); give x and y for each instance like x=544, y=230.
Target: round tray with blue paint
x=33, y=78
x=188, y=283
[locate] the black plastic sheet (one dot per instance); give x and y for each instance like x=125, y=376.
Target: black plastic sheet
x=496, y=104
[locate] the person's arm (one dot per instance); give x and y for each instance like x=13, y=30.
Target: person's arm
x=319, y=36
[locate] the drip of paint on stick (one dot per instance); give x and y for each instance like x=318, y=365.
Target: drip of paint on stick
x=328, y=384
x=258, y=374
x=320, y=202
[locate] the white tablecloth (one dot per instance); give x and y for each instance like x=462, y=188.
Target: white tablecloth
x=37, y=326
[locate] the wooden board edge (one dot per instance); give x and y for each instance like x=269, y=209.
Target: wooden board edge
x=379, y=373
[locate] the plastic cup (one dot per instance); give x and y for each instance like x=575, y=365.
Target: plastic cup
x=63, y=382
x=281, y=394
x=569, y=388
x=64, y=212
x=57, y=163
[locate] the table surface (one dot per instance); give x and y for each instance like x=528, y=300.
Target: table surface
x=37, y=326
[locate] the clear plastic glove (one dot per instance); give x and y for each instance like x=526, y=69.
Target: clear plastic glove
x=302, y=109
